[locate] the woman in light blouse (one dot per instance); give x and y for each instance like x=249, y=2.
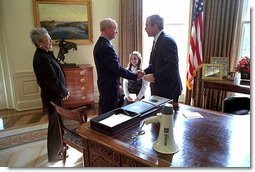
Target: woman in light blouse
x=134, y=87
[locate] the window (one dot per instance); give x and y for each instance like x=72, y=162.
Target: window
x=176, y=24
x=245, y=45
x=245, y=36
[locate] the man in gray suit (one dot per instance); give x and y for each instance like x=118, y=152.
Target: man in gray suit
x=163, y=69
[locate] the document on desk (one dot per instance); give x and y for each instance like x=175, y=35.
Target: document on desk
x=133, y=96
x=189, y=114
x=115, y=119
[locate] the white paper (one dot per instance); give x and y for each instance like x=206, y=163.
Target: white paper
x=113, y=120
x=192, y=114
x=133, y=96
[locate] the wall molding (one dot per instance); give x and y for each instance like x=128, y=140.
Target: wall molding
x=27, y=91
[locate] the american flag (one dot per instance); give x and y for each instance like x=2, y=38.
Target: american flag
x=196, y=38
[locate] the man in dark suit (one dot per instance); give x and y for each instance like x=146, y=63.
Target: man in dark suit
x=109, y=69
x=52, y=81
x=163, y=69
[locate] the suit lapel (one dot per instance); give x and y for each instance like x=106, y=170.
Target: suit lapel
x=159, y=41
x=155, y=50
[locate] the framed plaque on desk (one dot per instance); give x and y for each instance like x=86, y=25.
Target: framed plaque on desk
x=224, y=62
x=212, y=71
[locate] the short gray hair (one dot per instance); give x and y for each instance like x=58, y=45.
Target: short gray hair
x=38, y=34
x=156, y=19
x=107, y=23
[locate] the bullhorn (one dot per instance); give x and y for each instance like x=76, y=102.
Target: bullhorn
x=165, y=142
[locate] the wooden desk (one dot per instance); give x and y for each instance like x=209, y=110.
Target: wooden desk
x=225, y=85
x=217, y=140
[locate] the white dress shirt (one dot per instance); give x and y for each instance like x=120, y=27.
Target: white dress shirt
x=145, y=84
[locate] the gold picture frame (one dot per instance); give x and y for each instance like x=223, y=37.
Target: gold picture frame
x=224, y=61
x=212, y=71
x=65, y=19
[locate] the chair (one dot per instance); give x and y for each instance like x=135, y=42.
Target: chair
x=236, y=105
x=68, y=122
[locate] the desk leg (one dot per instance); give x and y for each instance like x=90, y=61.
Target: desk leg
x=204, y=98
x=85, y=153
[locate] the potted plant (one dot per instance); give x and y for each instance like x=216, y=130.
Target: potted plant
x=243, y=67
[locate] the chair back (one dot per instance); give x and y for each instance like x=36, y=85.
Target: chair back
x=236, y=105
x=68, y=122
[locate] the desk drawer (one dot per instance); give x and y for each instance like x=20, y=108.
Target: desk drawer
x=83, y=97
x=80, y=84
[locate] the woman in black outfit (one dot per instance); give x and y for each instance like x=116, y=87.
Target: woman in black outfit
x=52, y=81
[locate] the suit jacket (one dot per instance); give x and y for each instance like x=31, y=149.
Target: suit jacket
x=50, y=77
x=109, y=70
x=164, y=65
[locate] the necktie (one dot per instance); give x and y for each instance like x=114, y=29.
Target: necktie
x=153, y=47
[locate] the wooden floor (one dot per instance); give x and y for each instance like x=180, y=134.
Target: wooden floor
x=12, y=119
x=24, y=134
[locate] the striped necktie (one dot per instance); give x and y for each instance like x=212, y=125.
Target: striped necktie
x=153, y=47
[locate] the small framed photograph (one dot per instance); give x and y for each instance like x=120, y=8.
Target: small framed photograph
x=224, y=61
x=231, y=76
x=212, y=71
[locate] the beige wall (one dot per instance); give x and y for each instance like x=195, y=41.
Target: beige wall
x=17, y=20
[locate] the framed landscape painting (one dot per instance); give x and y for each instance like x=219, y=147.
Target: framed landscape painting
x=65, y=19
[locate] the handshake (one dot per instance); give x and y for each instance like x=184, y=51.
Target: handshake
x=142, y=75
